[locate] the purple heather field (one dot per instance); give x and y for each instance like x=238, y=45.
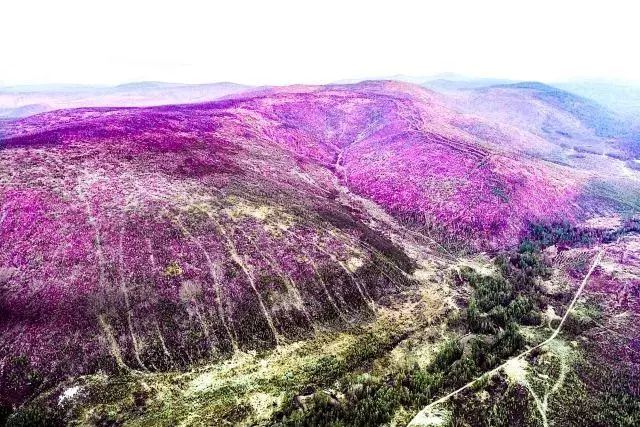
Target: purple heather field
x=342, y=254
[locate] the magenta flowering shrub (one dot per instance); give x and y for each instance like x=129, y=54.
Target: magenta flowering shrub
x=611, y=306
x=152, y=238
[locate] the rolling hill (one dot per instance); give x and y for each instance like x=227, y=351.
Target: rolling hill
x=156, y=239
x=23, y=101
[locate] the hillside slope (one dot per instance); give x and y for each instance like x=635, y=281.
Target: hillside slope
x=157, y=238
x=559, y=127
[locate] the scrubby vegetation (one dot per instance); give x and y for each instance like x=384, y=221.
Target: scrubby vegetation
x=358, y=385
x=154, y=255
x=542, y=235
x=36, y=416
x=499, y=304
x=598, y=394
x=366, y=399
x=494, y=403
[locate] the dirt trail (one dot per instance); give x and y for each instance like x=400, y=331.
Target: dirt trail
x=542, y=403
x=422, y=417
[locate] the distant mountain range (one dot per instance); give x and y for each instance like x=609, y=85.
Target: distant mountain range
x=22, y=101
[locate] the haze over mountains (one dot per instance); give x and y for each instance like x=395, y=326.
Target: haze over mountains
x=169, y=237
x=22, y=101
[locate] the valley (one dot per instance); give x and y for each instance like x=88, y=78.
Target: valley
x=368, y=254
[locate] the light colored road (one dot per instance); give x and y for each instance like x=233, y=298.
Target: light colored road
x=421, y=417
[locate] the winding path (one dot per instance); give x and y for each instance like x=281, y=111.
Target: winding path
x=421, y=417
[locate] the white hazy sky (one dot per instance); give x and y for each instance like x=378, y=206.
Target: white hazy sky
x=280, y=42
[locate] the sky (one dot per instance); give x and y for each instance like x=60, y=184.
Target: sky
x=285, y=42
